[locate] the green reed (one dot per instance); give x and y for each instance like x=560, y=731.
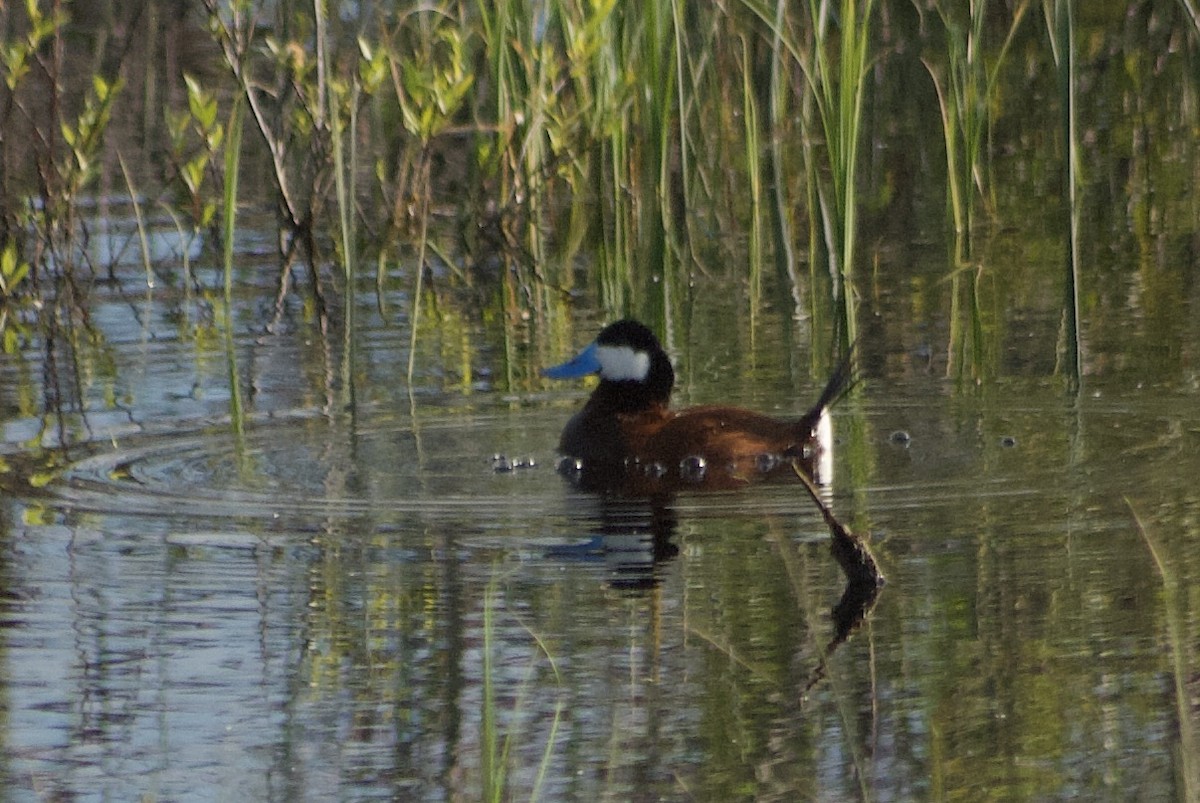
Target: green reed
x=754, y=176
x=781, y=218
x=232, y=172
x=660, y=139
x=1061, y=24
x=965, y=81
x=839, y=99
x=140, y=219
x=833, y=52
x=229, y=189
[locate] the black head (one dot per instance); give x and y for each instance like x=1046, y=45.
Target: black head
x=634, y=370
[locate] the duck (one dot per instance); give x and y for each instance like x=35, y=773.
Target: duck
x=628, y=441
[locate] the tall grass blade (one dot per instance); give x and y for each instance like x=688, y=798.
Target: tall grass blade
x=1064, y=35
x=754, y=177
x=233, y=143
x=233, y=156
x=785, y=251
x=141, y=221
x=419, y=282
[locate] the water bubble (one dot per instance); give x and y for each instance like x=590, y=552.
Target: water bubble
x=766, y=462
x=693, y=468
x=569, y=466
x=502, y=464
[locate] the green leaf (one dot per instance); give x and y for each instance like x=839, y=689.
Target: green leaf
x=17, y=276
x=37, y=515
x=40, y=479
x=192, y=173
x=101, y=87
x=16, y=63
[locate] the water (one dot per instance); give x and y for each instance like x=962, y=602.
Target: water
x=361, y=602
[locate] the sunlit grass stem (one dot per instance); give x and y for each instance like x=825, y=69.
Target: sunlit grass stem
x=1064, y=51
x=232, y=164
x=233, y=156
x=140, y=219
x=419, y=281
x=754, y=178
x=344, y=186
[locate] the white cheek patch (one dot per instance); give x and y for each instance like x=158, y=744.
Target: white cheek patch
x=621, y=363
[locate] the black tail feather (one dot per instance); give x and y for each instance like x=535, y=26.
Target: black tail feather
x=843, y=380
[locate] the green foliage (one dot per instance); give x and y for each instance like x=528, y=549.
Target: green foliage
x=196, y=136
x=84, y=137
x=667, y=139
x=965, y=81
x=433, y=83
x=13, y=272
x=17, y=55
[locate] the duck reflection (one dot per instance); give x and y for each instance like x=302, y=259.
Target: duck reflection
x=633, y=537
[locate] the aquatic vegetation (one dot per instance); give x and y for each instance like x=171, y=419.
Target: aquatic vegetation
x=13, y=272
x=1061, y=24
x=534, y=155
x=836, y=70
x=65, y=143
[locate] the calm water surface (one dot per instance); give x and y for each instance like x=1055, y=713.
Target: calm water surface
x=355, y=603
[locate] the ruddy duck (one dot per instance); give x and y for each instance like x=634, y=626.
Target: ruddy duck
x=626, y=440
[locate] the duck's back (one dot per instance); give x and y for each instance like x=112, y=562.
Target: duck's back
x=737, y=443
